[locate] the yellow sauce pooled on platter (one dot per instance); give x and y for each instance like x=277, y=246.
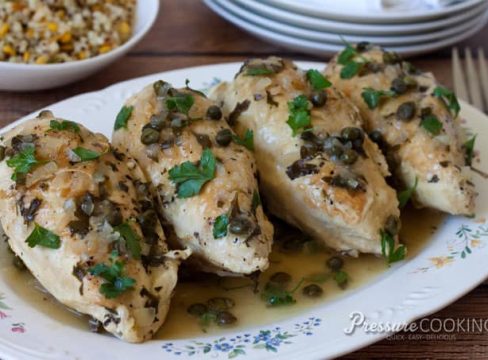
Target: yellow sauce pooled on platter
x=250, y=310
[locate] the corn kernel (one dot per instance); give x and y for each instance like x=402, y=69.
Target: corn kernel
x=26, y=56
x=29, y=33
x=65, y=38
x=124, y=28
x=43, y=59
x=4, y=30
x=9, y=50
x=52, y=26
x=82, y=55
x=104, y=49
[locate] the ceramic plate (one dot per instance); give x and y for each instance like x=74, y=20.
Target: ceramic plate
x=335, y=38
x=286, y=16
x=452, y=262
x=323, y=48
x=372, y=10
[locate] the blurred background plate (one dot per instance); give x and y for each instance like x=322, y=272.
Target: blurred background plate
x=372, y=11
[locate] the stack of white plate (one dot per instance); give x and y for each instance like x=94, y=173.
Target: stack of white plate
x=320, y=27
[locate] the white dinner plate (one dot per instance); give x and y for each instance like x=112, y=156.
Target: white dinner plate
x=287, y=16
x=451, y=263
x=322, y=48
x=371, y=11
x=335, y=38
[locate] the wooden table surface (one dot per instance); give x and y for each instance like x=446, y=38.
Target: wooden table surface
x=188, y=34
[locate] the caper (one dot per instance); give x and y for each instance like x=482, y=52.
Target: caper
x=220, y=303
x=225, y=318
x=197, y=309
x=376, y=137
x=80, y=227
x=425, y=112
x=335, y=263
x=167, y=140
x=214, y=112
x=308, y=150
x=318, y=98
x=2, y=153
x=351, y=133
x=178, y=121
x=157, y=121
x=308, y=136
x=87, y=204
x=362, y=46
x=149, y=136
x=399, y=86
x=312, y=290
x=333, y=146
x=391, y=58
x=148, y=221
x=392, y=225
x=349, y=157
x=204, y=140
x=224, y=137
x=406, y=111
x=161, y=88
x=373, y=67
x=45, y=113
x=240, y=225
x=18, y=263
x=280, y=278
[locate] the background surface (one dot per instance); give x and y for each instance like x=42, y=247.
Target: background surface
x=188, y=34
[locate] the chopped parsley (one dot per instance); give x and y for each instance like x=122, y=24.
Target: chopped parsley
x=123, y=117
x=351, y=69
x=64, y=125
x=86, y=154
x=469, y=150
x=247, y=140
x=43, y=237
x=220, y=226
x=299, y=114
x=373, y=97
x=275, y=294
x=448, y=98
x=405, y=195
x=259, y=71
x=347, y=54
x=23, y=162
x=317, y=80
x=388, y=248
x=116, y=283
x=180, y=102
x=132, y=240
x=341, y=278
x=190, y=178
x=432, y=124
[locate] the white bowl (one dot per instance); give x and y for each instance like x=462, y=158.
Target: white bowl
x=30, y=77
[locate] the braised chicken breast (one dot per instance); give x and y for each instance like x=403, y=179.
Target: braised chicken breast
x=81, y=218
x=415, y=121
x=203, y=175
x=317, y=169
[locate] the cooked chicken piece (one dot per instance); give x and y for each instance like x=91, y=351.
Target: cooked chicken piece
x=203, y=175
x=415, y=121
x=81, y=218
x=317, y=170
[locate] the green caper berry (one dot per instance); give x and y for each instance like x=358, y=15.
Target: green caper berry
x=392, y=225
x=149, y=136
x=214, y=112
x=220, y=303
x=351, y=133
x=318, y=98
x=240, y=225
x=406, y=111
x=349, y=157
x=18, y=263
x=197, y=309
x=280, y=278
x=2, y=153
x=157, y=121
x=399, y=86
x=225, y=318
x=312, y=290
x=335, y=263
x=224, y=137
x=204, y=141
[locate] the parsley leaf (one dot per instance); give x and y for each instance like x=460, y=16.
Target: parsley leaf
x=123, y=117
x=180, y=102
x=317, y=80
x=86, y=154
x=43, y=237
x=256, y=201
x=132, y=240
x=405, y=195
x=351, y=69
x=373, y=97
x=469, y=150
x=189, y=178
x=220, y=226
x=431, y=124
x=449, y=99
x=275, y=295
x=23, y=162
x=258, y=71
x=347, y=54
x=341, y=278
x=247, y=140
x=299, y=114
x=64, y=125
x=388, y=249
x=115, y=283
